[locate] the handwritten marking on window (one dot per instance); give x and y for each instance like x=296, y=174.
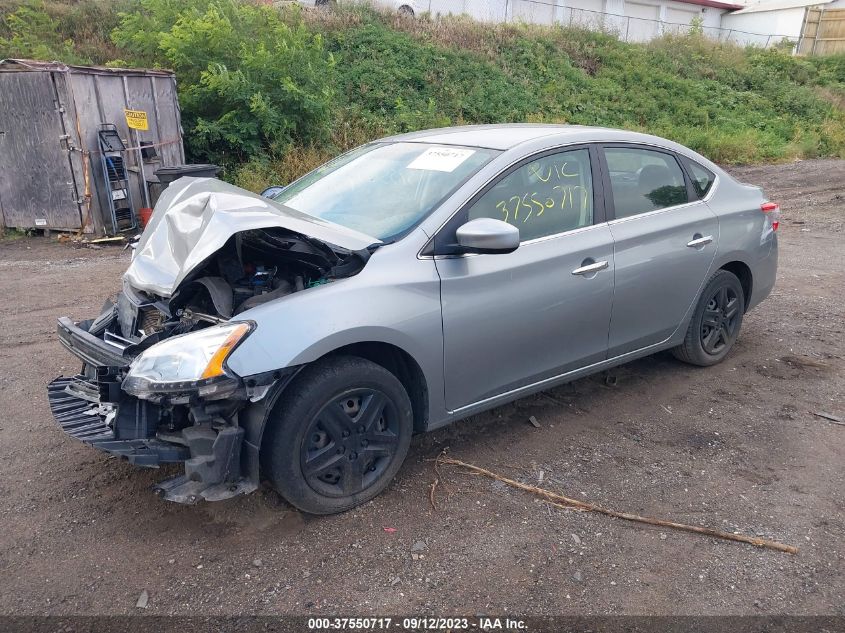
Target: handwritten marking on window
x=538, y=170
x=529, y=205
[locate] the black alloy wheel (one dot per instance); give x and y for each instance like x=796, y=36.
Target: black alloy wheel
x=350, y=443
x=720, y=321
x=715, y=323
x=337, y=435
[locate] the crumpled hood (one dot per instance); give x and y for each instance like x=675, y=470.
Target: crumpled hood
x=195, y=217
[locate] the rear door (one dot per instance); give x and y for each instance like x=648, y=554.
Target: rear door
x=665, y=240
x=512, y=320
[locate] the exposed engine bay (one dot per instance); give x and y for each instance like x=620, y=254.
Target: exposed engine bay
x=252, y=268
x=210, y=253
x=209, y=425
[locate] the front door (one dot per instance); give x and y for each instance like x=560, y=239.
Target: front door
x=512, y=320
x=665, y=240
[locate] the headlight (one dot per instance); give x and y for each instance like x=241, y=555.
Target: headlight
x=185, y=362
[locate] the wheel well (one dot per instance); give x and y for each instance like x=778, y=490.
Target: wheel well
x=399, y=363
x=743, y=273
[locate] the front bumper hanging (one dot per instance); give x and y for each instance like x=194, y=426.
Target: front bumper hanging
x=92, y=407
x=77, y=409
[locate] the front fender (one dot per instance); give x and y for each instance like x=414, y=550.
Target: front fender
x=393, y=300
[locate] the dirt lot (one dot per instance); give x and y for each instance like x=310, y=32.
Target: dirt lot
x=733, y=447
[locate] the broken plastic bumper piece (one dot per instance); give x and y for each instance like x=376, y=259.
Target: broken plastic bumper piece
x=77, y=409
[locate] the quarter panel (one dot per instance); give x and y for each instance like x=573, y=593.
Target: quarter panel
x=746, y=235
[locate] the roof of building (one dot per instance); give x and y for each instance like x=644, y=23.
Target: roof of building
x=777, y=5
x=18, y=65
x=714, y=4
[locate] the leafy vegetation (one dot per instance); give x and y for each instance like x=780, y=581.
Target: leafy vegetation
x=270, y=92
x=251, y=81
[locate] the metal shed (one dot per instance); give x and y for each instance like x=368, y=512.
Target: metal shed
x=51, y=165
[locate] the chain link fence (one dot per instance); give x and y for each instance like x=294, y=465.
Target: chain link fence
x=627, y=28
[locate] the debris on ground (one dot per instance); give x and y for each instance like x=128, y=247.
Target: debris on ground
x=143, y=599
x=431, y=490
x=419, y=546
x=829, y=417
x=80, y=241
x=389, y=530
x=569, y=504
x=534, y=422
x=802, y=361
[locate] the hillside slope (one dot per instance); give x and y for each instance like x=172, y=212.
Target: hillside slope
x=271, y=91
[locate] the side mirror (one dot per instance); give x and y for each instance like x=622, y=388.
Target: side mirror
x=486, y=235
x=273, y=191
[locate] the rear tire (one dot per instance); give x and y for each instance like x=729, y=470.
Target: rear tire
x=716, y=322
x=338, y=435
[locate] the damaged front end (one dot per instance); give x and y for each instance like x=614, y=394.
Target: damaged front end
x=155, y=387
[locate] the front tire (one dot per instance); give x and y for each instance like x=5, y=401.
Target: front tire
x=338, y=435
x=715, y=323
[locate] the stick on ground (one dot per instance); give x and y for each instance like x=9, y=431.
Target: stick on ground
x=560, y=500
x=431, y=490
x=829, y=417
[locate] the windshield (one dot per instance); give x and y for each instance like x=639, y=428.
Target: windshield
x=384, y=189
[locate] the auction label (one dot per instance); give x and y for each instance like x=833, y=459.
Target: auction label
x=441, y=158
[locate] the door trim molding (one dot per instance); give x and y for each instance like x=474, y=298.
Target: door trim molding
x=541, y=385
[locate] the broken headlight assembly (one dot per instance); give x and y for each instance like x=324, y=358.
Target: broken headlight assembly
x=187, y=364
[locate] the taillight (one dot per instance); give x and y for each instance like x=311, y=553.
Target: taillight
x=774, y=209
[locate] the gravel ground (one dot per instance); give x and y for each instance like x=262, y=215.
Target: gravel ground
x=733, y=447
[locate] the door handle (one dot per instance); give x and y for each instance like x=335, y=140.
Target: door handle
x=700, y=241
x=590, y=268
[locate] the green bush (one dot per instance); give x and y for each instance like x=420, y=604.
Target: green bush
x=72, y=31
x=31, y=33
x=251, y=80
x=730, y=103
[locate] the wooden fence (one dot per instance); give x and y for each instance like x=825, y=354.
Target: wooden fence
x=823, y=32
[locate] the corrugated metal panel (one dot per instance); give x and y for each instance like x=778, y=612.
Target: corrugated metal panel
x=37, y=187
x=91, y=96
x=169, y=121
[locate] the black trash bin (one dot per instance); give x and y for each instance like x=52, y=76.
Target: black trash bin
x=166, y=175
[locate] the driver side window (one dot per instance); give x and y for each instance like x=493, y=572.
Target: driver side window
x=547, y=196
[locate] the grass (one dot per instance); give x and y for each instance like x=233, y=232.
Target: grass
x=13, y=234
x=385, y=74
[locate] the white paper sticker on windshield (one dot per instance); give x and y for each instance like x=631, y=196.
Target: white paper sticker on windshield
x=441, y=158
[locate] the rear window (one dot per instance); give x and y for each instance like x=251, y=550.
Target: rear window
x=644, y=180
x=702, y=178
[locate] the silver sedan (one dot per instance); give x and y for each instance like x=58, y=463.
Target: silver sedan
x=408, y=283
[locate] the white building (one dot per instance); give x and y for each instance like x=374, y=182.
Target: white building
x=636, y=21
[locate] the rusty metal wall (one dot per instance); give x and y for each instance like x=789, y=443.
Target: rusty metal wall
x=83, y=99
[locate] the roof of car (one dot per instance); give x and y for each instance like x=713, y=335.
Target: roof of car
x=506, y=136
